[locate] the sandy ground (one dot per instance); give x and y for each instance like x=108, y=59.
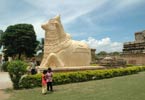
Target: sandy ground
x=5, y=83
x=3, y=95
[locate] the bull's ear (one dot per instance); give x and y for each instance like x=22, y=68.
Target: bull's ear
x=57, y=17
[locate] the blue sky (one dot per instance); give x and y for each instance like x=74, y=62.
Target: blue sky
x=102, y=24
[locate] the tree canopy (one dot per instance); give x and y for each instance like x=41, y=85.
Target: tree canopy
x=19, y=39
x=1, y=32
x=102, y=53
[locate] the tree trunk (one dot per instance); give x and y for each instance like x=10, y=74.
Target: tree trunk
x=19, y=56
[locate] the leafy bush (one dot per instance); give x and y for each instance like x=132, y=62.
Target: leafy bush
x=30, y=81
x=16, y=69
x=129, y=65
x=93, y=64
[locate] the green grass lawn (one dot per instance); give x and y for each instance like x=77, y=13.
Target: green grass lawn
x=131, y=87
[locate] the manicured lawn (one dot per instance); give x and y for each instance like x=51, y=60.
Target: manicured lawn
x=131, y=87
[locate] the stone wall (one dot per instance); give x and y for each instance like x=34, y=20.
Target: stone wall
x=137, y=46
x=134, y=47
x=140, y=36
x=135, y=59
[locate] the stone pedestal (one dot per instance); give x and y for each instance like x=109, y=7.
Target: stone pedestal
x=70, y=69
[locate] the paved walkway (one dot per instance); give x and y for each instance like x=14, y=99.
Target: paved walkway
x=5, y=81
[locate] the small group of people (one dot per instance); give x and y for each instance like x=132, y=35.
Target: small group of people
x=47, y=76
x=47, y=79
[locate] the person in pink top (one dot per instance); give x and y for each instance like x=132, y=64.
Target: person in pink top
x=49, y=80
x=44, y=82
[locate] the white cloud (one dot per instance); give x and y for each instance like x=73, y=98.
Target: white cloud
x=37, y=27
x=125, y=4
x=118, y=7
x=41, y=10
x=70, y=10
x=104, y=44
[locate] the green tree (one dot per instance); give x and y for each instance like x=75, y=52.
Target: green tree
x=102, y=53
x=1, y=32
x=19, y=39
x=115, y=53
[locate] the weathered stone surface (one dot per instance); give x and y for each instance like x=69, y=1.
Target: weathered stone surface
x=135, y=59
x=134, y=52
x=60, y=50
x=93, y=55
x=138, y=46
x=140, y=36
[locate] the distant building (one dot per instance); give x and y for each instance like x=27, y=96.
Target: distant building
x=134, y=52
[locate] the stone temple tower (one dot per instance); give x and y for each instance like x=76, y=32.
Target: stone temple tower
x=134, y=52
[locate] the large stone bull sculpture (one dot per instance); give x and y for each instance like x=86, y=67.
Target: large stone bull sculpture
x=60, y=50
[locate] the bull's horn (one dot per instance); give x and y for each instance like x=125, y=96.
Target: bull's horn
x=57, y=17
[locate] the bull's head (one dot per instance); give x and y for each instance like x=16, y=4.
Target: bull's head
x=52, y=24
x=54, y=28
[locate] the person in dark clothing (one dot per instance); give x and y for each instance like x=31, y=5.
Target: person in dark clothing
x=33, y=67
x=49, y=79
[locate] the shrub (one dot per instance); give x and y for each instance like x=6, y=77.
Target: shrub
x=129, y=65
x=16, y=69
x=30, y=81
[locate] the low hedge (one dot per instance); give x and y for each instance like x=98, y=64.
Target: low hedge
x=30, y=81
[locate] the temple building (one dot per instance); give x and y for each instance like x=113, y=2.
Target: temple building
x=134, y=52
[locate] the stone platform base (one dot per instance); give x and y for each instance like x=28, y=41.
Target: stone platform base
x=70, y=69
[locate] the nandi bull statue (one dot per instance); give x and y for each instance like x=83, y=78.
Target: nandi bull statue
x=60, y=50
